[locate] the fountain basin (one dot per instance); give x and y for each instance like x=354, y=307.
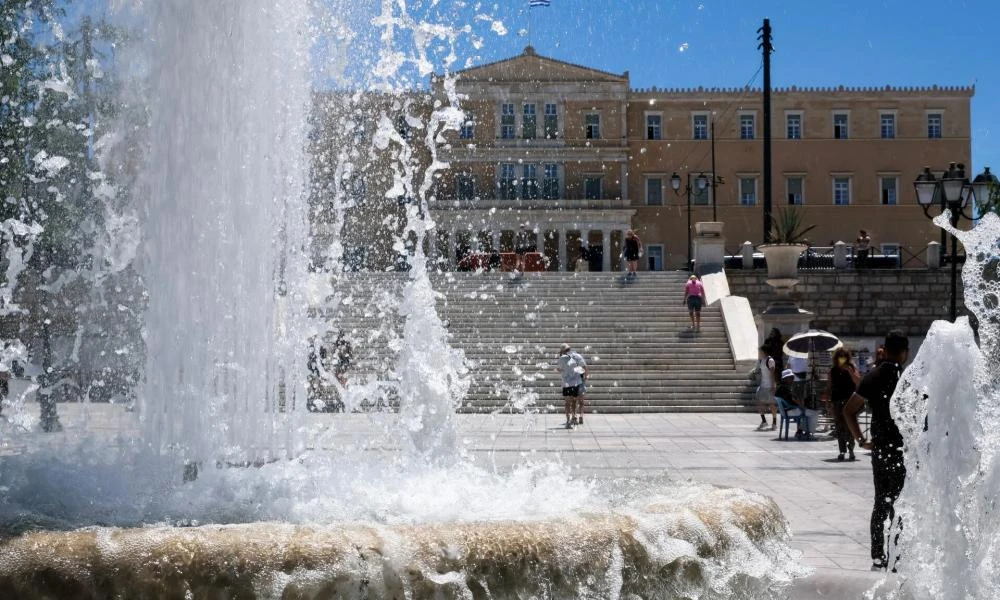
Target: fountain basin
x=719, y=541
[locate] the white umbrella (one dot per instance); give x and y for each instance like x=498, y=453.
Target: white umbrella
x=801, y=345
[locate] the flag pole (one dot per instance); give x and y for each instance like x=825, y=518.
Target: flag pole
x=528, y=2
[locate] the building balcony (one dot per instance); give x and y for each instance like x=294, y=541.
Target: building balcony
x=530, y=204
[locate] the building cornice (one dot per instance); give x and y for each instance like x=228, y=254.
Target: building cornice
x=841, y=90
x=491, y=154
x=529, y=51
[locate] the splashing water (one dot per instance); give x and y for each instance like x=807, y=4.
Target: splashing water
x=950, y=542
x=225, y=221
x=226, y=256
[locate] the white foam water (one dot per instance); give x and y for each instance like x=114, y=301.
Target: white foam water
x=226, y=235
x=225, y=226
x=947, y=407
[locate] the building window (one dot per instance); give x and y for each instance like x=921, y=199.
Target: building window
x=840, y=129
x=748, y=191
x=529, y=182
x=550, y=185
x=508, y=181
x=465, y=186
x=699, y=127
x=529, y=122
x=551, y=122
x=403, y=127
x=507, y=121
x=933, y=125
x=888, y=129
x=795, y=188
x=746, y=127
x=592, y=187
x=794, y=126
x=701, y=197
x=889, y=186
x=592, y=126
x=468, y=130
x=842, y=191
x=654, y=191
x=654, y=127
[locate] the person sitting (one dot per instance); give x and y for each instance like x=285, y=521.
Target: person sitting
x=785, y=391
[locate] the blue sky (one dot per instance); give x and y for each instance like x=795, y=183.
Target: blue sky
x=687, y=43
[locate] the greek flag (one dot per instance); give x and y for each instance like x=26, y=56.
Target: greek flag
x=534, y=3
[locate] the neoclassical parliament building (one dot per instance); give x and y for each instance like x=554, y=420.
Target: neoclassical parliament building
x=580, y=156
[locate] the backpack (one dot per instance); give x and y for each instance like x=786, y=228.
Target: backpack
x=754, y=375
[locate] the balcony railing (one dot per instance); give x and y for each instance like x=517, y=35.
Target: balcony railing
x=529, y=203
x=821, y=258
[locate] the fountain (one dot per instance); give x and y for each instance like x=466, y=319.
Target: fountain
x=280, y=509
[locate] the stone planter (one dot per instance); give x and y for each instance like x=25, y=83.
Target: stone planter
x=782, y=274
x=782, y=260
x=709, y=228
x=782, y=266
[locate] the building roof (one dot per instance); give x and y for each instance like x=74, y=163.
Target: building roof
x=530, y=66
x=933, y=90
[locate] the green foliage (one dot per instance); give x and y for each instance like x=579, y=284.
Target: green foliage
x=61, y=96
x=990, y=203
x=787, y=226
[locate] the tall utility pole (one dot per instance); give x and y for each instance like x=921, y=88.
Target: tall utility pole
x=715, y=176
x=767, y=48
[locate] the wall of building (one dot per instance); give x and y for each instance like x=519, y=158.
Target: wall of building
x=817, y=158
x=852, y=303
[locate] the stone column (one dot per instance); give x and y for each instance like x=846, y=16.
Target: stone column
x=562, y=249
x=709, y=247
x=453, y=246
x=624, y=182
x=606, y=243
x=934, y=255
x=496, y=240
x=840, y=255
x=432, y=246
x=747, y=252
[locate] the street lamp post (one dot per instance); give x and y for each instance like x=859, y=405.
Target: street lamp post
x=954, y=193
x=701, y=182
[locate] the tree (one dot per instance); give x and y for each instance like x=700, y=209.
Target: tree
x=68, y=295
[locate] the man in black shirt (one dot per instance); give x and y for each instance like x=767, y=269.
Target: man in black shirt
x=888, y=470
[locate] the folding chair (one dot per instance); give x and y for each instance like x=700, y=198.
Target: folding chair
x=799, y=419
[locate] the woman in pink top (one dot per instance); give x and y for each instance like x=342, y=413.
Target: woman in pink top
x=694, y=297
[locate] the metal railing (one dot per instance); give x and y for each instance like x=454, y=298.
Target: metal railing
x=822, y=258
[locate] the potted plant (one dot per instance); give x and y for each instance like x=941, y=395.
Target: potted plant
x=786, y=246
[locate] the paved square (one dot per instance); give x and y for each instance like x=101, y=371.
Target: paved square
x=827, y=503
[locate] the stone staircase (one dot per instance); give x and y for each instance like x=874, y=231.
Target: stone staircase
x=635, y=337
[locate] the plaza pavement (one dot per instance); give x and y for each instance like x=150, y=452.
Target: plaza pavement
x=827, y=503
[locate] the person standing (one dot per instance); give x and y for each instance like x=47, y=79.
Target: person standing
x=694, y=297
x=342, y=348
x=573, y=369
x=888, y=470
x=4, y=384
x=841, y=384
x=765, y=391
x=632, y=251
x=862, y=246
x=522, y=246
x=316, y=365
x=775, y=343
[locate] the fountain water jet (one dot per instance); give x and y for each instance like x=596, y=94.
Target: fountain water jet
x=226, y=240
